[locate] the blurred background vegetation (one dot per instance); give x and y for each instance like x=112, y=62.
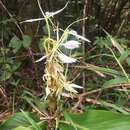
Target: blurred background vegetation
x=20, y=47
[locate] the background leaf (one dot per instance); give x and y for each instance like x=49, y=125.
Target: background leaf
x=27, y=40
x=98, y=120
x=21, y=128
x=15, y=44
x=19, y=119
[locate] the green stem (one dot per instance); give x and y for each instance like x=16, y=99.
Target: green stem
x=46, y=18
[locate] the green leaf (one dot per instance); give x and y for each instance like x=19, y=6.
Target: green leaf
x=35, y=101
x=21, y=128
x=124, y=56
x=15, y=44
x=41, y=44
x=96, y=120
x=15, y=66
x=108, y=71
x=27, y=40
x=5, y=75
x=128, y=61
x=19, y=119
x=115, y=107
x=32, y=122
x=116, y=81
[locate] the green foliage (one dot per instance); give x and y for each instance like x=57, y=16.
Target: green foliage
x=16, y=43
x=105, y=89
x=21, y=128
x=8, y=66
x=23, y=119
x=95, y=120
x=27, y=40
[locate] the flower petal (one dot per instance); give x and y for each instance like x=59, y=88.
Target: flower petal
x=74, y=33
x=69, y=88
x=76, y=86
x=71, y=44
x=42, y=58
x=47, y=92
x=50, y=14
x=66, y=95
x=66, y=59
x=32, y=20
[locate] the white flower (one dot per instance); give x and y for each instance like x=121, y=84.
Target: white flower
x=42, y=58
x=71, y=44
x=32, y=20
x=71, y=87
x=47, y=92
x=74, y=33
x=51, y=14
x=66, y=59
x=47, y=14
x=76, y=86
x=65, y=95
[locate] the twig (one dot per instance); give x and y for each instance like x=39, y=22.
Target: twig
x=80, y=97
x=83, y=34
x=123, y=22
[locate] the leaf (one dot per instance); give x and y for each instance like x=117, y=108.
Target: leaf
x=108, y=71
x=116, y=81
x=124, y=56
x=19, y=119
x=71, y=44
x=96, y=120
x=5, y=75
x=21, y=128
x=128, y=61
x=73, y=124
x=66, y=59
x=27, y=40
x=15, y=44
x=115, y=43
x=15, y=66
x=35, y=101
x=32, y=122
x=115, y=107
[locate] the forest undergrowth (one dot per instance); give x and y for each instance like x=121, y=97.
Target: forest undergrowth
x=67, y=68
